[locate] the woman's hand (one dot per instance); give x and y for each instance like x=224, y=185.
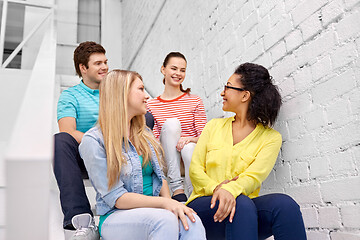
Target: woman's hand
x=185, y=140
x=226, y=204
x=225, y=182
x=180, y=210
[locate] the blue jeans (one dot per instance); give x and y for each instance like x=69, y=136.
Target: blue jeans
x=258, y=218
x=149, y=223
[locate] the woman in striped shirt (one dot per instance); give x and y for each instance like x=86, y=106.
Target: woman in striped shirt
x=179, y=120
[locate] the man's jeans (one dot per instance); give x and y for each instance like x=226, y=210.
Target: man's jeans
x=69, y=171
x=169, y=137
x=149, y=223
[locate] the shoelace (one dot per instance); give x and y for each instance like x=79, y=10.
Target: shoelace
x=82, y=231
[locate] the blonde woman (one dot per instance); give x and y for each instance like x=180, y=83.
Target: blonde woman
x=124, y=161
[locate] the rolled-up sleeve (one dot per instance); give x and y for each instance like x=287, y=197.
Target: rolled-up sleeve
x=94, y=156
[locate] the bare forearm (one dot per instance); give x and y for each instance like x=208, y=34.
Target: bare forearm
x=76, y=134
x=68, y=125
x=165, y=191
x=135, y=200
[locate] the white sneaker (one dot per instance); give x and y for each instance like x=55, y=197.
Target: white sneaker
x=85, y=226
x=68, y=233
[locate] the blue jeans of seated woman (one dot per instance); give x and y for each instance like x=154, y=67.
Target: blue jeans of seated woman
x=149, y=223
x=258, y=218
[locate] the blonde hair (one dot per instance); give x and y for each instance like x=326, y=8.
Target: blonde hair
x=113, y=121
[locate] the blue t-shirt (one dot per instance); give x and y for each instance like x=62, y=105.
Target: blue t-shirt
x=81, y=103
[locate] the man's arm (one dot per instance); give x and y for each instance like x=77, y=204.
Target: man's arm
x=68, y=125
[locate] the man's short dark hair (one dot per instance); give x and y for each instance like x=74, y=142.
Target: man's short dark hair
x=82, y=54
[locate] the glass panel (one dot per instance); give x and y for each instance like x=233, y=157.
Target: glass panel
x=89, y=20
x=14, y=32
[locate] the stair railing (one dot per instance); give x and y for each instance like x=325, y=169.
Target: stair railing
x=30, y=150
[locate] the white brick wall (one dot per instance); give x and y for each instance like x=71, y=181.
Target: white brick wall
x=329, y=217
x=311, y=48
x=350, y=216
x=311, y=217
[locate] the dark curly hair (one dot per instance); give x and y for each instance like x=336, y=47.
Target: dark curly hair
x=265, y=97
x=166, y=61
x=82, y=54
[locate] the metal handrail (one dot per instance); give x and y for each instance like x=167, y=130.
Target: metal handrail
x=30, y=34
x=30, y=149
x=32, y=4
x=2, y=29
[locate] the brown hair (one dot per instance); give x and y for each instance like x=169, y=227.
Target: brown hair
x=166, y=60
x=82, y=54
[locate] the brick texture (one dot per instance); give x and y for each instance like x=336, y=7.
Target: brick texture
x=311, y=48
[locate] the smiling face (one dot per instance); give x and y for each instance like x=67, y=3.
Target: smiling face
x=234, y=96
x=137, y=99
x=174, y=72
x=96, y=70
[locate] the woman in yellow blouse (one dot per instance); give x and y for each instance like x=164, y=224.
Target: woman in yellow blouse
x=234, y=156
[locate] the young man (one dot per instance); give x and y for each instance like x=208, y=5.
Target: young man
x=77, y=112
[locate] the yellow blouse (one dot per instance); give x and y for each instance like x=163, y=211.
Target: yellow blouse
x=216, y=159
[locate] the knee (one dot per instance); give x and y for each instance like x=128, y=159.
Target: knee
x=197, y=224
x=286, y=202
x=197, y=228
x=167, y=220
x=171, y=126
x=65, y=148
x=189, y=147
x=245, y=204
x=63, y=139
x=187, y=151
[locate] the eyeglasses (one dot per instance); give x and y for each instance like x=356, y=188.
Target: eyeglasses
x=235, y=88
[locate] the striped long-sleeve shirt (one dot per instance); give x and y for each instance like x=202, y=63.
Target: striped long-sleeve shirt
x=188, y=108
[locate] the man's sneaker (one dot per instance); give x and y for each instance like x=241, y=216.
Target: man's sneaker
x=86, y=228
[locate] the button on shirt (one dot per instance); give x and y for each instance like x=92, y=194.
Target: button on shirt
x=81, y=103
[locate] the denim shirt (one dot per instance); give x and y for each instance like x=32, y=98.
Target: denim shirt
x=92, y=151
